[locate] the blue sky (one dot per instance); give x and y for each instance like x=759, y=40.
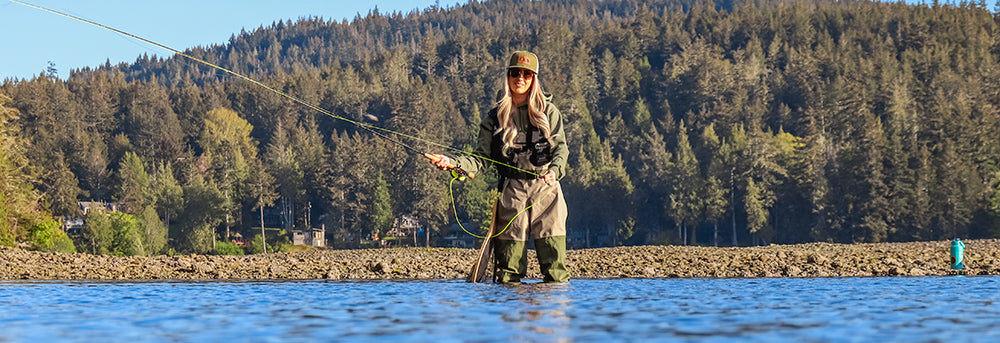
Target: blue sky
x=30, y=38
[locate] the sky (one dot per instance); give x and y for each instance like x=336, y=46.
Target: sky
x=31, y=38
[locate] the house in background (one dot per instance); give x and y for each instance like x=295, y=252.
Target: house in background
x=457, y=236
x=313, y=237
x=405, y=227
x=74, y=225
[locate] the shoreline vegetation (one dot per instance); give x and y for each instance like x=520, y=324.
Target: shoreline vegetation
x=982, y=257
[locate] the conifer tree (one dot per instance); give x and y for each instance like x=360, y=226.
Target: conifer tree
x=714, y=192
x=169, y=193
x=134, y=192
x=204, y=210
x=685, y=201
x=262, y=191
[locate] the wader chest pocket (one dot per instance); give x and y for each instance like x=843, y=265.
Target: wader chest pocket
x=541, y=153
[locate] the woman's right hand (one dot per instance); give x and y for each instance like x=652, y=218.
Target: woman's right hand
x=440, y=161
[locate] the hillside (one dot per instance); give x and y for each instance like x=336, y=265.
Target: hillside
x=689, y=123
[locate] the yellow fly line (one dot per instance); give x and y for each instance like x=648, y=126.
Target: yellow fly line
x=375, y=130
x=371, y=128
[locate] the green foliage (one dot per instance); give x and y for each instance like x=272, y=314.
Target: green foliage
x=134, y=190
x=756, y=210
x=257, y=245
x=685, y=201
x=995, y=196
x=127, y=235
x=47, y=236
x=19, y=201
x=831, y=121
x=120, y=234
x=6, y=234
x=476, y=198
x=227, y=248
x=154, y=233
x=277, y=242
x=168, y=192
x=204, y=210
x=98, y=234
x=381, y=216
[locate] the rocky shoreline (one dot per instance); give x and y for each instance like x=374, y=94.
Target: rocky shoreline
x=800, y=260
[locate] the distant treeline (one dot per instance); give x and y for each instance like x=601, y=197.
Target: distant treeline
x=730, y=123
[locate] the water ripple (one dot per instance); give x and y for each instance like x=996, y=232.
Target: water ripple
x=761, y=310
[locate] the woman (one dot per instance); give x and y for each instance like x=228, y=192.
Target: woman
x=524, y=130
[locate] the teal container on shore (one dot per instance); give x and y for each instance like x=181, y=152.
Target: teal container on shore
x=957, y=254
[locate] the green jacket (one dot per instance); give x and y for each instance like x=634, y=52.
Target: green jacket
x=560, y=151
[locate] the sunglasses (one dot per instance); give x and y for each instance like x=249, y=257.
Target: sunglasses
x=516, y=73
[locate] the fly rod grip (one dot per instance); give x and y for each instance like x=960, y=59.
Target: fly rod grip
x=436, y=158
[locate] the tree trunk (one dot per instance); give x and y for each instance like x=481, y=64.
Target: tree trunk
x=684, y=229
x=263, y=240
x=612, y=235
x=680, y=234
x=715, y=239
x=732, y=200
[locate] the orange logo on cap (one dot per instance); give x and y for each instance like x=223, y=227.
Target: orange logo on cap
x=523, y=60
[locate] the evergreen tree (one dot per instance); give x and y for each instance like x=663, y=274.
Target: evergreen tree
x=134, y=192
x=153, y=232
x=204, y=210
x=262, y=191
x=150, y=123
x=715, y=194
x=685, y=200
x=97, y=235
x=19, y=201
x=6, y=232
x=381, y=214
x=168, y=192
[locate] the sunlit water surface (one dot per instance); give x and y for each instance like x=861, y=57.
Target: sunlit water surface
x=921, y=309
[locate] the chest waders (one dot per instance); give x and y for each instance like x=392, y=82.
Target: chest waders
x=545, y=220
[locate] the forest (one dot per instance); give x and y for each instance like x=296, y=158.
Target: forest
x=728, y=123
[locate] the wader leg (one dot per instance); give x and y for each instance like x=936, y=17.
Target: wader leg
x=552, y=258
x=512, y=260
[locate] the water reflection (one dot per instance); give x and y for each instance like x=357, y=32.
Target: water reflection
x=538, y=311
x=867, y=309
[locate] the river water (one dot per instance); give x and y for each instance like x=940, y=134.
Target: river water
x=907, y=309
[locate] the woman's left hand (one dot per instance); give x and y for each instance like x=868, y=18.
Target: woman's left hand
x=549, y=176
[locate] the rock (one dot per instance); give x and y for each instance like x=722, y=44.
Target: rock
x=277, y=269
x=816, y=258
x=202, y=267
x=889, y=261
x=917, y=271
x=793, y=271
x=803, y=260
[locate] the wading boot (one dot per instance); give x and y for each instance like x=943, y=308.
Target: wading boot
x=512, y=260
x=552, y=258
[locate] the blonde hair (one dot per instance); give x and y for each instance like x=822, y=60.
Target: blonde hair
x=536, y=113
